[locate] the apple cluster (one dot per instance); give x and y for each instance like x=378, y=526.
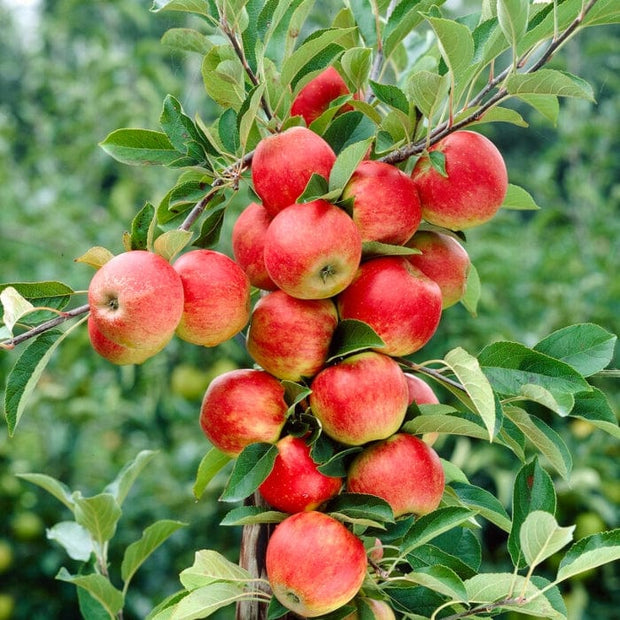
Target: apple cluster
x=311, y=263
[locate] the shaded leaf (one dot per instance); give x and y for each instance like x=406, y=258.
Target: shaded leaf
x=98, y=587
x=187, y=40
x=361, y=506
x=484, y=503
x=54, y=487
x=433, y=524
x=252, y=466
x=595, y=408
x=121, y=485
x=347, y=161
x=351, y=336
x=99, y=514
x=440, y=579
x=251, y=515
x=212, y=462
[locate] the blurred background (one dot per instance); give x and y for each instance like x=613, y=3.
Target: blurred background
x=71, y=72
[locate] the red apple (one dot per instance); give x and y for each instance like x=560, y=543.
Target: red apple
x=315, y=96
x=248, y=243
x=290, y=337
x=444, y=260
x=475, y=185
x=314, y=564
x=403, y=470
x=360, y=399
x=397, y=300
x=385, y=202
x=217, y=297
x=136, y=300
x=312, y=250
x=371, y=608
x=421, y=393
x=295, y=484
x=283, y=164
x=117, y=353
x=241, y=407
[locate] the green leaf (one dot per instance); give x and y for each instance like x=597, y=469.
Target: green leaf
x=26, y=373
x=96, y=257
x=253, y=465
x=437, y=160
x=248, y=114
x=121, y=485
x=54, y=487
x=513, y=17
x=186, y=40
x=373, y=249
x=210, y=566
x=519, y=199
x=356, y=64
x=455, y=44
x=179, y=128
x=457, y=423
x=428, y=91
x=152, y=537
x=143, y=228
x=547, y=441
x=473, y=288
x=590, y=552
x=430, y=555
x=549, y=82
x=533, y=491
x=15, y=307
x=595, y=408
x=252, y=515
x=404, y=18
x=99, y=514
x=99, y=587
x=187, y=6
x=361, y=506
x=588, y=348
x=547, y=105
x=433, y=524
x=211, y=228
x=212, y=462
x=336, y=465
x=391, y=95
x=170, y=243
x=223, y=77
x=74, y=538
x=468, y=372
x=540, y=537
x=348, y=128
x=352, y=336
x=204, y=601
x=483, y=502
x=140, y=147
x=440, y=579
x=49, y=294
x=346, y=163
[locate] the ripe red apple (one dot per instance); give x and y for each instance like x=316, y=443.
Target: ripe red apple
x=403, y=470
x=241, y=407
x=117, y=353
x=283, y=164
x=421, y=393
x=475, y=186
x=360, y=399
x=397, y=300
x=248, y=243
x=136, y=300
x=295, y=484
x=315, y=96
x=217, y=297
x=312, y=250
x=371, y=608
x=444, y=260
x=314, y=563
x=290, y=337
x=385, y=202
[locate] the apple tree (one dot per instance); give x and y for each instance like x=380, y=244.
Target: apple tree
x=358, y=151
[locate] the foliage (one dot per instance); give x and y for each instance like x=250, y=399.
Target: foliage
x=425, y=75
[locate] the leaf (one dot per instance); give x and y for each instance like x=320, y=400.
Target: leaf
x=253, y=465
x=431, y=555
x=179, y=128
x=361, y=506
x=346, y=163
x=404, y=18
x=212, y=462
x=143, y=228
x=74, y=538
x=590, y=552
x=455, y=44
x=188, y=6
x=187, y=40
x=211, y=228
x=484, y=503
x=540, y=537
x=98, y=587
x=473, y=288
x=518, y=198
x=120, y=486
x=595, y=408
x=546, y=440
x=547, y=105
x=49, y=294
x=587, y=347
x=95, y=257
x=533, y=491
x=433, y=524
x=348, y=128
x=468, y=372
x=440, y=579
x=549, y=82
x=251, y=515
x=204, y=601
x=15, y=307
x=99, y=514
x=140, y=147
x=513, y=17
x=152, y=537
x=54, y=487
x=373, y=249
x=248, y=113
x=210, y=566
x=170, y=243
x=391, y=95
x=428, y=91
x=356, y=64
x=457, y=423
x=351, y=336
x=26, y=373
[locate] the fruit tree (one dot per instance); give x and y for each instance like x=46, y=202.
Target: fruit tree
x=359, y=157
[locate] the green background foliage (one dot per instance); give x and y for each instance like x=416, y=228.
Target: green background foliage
x=83, y=70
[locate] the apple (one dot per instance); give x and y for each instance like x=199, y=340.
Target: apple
x=360, y=399
x=283, y=163
x=315, y=96
x=241, y=407
x=312, y=250
x=421, y=393
x=403, y=470
x=117, y=353
x=475, y=185
x=217, y=297
x=444, y=260
x=314, y=564
x=290, y=337
x=295, y=484
x=385, y=203
x=136, y=299
x=248, y=243
x=397, y=300
x=371, y=608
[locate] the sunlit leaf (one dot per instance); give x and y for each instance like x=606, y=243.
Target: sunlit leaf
x=541, y=536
